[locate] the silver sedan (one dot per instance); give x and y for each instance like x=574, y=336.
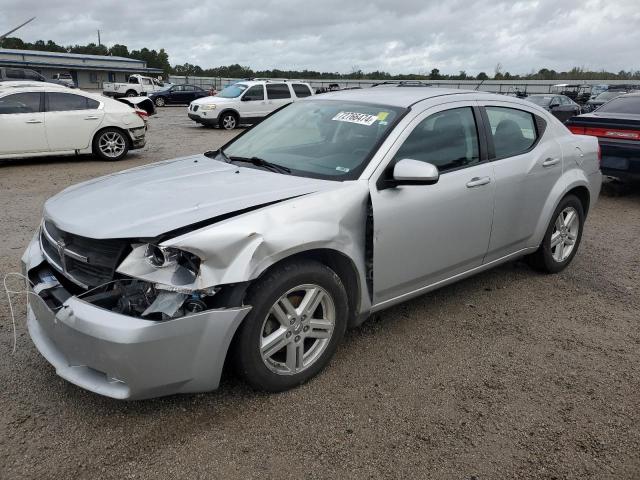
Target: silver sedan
x=263, y=252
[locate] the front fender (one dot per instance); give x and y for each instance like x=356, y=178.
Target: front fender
x=240, y=249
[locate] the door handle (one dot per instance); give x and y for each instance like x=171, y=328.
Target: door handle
x=91, y=117
x=33, y=120
x=478, y=181
x=550, y=162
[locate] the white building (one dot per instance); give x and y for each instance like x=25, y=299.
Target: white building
x=88, y=71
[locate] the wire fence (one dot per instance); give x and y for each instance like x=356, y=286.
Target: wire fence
x=515, y=87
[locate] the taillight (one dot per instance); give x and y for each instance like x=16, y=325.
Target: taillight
x=141, y=113
x=606, y=132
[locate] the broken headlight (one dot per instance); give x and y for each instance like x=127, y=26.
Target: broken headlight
x=164, y=265
x=163, y=257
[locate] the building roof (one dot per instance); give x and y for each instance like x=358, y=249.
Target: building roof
x=78, y=56
x=73, y=61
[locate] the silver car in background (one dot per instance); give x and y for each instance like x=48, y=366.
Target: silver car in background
x=263, y=252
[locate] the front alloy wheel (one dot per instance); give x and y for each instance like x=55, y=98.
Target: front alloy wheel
x=228, y=121
x=298, y=316
x=160, y=102
x=297, y=329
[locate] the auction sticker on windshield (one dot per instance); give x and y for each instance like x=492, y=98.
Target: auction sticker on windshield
x=354, y=117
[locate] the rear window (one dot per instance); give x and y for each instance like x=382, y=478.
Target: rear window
x=64, y=102
x=622, y=105
x=301, y=90
x=278, y=90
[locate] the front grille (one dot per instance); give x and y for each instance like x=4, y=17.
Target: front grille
x=85, y=261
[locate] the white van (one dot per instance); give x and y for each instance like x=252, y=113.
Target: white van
x=246, y=102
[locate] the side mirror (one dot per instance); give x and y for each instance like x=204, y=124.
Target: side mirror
x=246, y=98
x=415, y=172
x=554, y=105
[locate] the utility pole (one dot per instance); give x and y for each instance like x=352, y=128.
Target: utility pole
x=4, y=35
x=99, y=38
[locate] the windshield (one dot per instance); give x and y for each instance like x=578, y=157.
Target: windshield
x=606, y=96
x=622, y=105
x=542, y=100
x=233, y=91
x=327, y=139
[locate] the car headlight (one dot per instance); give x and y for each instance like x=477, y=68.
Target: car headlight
x=164, y=265
x=208, y=107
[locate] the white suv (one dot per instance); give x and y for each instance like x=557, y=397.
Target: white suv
x=246, y=102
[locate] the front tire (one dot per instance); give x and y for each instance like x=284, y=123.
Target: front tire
x=562, y=238
x=131, y=93
x=110, y=144
x=228, y=121
x=298, y=318
x=160, y=102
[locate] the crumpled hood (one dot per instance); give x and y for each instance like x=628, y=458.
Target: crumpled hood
x=157, y=198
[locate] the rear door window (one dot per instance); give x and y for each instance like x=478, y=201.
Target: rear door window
x=65, y=102
x=278, y=91
x=301, y=90
x=513, y=131
x=20, y=103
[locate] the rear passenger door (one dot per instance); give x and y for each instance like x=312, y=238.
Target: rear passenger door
x=278, y=94
x=71, y=120
x=527, y=163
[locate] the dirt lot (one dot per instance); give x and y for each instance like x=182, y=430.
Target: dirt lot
x=510, y=374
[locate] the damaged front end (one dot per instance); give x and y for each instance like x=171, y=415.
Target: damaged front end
x=122, y=336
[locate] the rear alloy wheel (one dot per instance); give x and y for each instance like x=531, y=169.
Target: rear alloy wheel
x=298, y=318
x=561, y=241
x=160, y=102
x=110, y=144
x=228, y=121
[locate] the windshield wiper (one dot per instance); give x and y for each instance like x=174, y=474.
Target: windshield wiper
x=260, y=162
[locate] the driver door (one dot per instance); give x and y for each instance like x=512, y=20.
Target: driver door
x=424, y=234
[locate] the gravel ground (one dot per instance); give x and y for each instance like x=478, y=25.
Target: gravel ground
x=510, y=374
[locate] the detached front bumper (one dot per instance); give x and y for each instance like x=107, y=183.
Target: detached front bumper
x=125, y=357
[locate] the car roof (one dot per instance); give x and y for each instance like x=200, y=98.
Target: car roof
x=30, y=84
x=397, y=97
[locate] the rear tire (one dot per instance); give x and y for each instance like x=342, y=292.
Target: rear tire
x=562, y=238
x=298, y=318
x=110, y=144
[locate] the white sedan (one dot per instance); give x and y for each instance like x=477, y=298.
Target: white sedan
x=45, y=119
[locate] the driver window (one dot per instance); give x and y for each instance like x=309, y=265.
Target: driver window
x=448, y=140
x=255, y=93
